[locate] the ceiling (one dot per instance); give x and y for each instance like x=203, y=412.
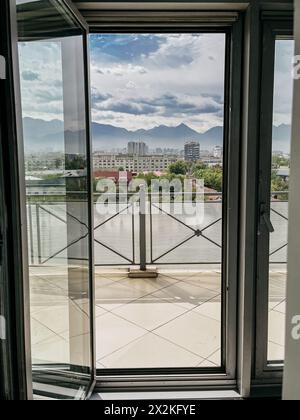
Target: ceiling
x=87, y=6
x=101, y=12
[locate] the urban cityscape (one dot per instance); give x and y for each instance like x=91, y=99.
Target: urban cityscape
x=138, y=160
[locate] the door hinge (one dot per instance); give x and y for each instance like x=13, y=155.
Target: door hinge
x=2, y=67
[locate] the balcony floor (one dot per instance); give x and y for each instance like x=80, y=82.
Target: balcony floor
x=171, y=321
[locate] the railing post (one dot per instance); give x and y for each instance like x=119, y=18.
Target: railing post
x=31, y=233
x=143, y=248
x=38, y=227
x=133, y=232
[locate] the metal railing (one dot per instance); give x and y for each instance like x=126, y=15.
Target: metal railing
x=280, y=200
x=138, y=235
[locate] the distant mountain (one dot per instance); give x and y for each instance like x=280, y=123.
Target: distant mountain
x=43, y=135
x=107, y=136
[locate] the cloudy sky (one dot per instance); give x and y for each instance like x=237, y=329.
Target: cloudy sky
x=141, y=81
x=283, y=88
x=41, y=80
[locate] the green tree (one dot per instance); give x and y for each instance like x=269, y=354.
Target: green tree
x=279, y=162
x=199, y=166
x=148, y=177
x=213, y=177
x=58, y=163
x=75, y=163
x=278, y=183
x=179, y=168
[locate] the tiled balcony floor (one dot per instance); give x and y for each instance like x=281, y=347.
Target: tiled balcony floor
x=277, y=312
x=171, y=321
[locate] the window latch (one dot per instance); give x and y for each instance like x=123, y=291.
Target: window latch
x=265, y=219
x=2, y=67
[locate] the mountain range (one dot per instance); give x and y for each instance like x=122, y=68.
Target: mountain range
x=43, y=135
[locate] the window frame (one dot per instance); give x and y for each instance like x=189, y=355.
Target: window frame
x=16, y=359
x=249, y=46
x=21, y=278
x=195, y=377
x=272, y=29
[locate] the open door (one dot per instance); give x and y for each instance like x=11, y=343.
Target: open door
x=55, y=114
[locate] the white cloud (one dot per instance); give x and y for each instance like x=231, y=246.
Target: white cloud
x=190, y=67
x=41, y=85
x=187, y=67
x=283, y=84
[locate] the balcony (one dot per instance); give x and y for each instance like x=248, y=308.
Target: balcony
x=174, y=320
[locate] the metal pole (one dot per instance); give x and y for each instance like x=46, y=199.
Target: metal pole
x=133, y=233
x=31, y=233
x=38, y=227
x=143, y=251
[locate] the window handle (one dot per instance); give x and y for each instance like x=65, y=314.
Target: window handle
x=268, y=223
x=265, y=219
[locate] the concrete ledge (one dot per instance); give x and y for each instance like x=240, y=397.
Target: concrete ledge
x=136, y=273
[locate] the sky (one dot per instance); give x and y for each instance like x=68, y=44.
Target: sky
x=145, y=80
x=283, y=83
x=41, y=80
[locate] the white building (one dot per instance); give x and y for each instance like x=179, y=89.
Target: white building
x=134, y=163
x=218, y=152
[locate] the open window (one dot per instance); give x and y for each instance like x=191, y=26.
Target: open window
x=55, y=115
x=275, y=154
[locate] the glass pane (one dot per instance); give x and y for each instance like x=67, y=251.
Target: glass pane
x=283, y=89
x=54, y=122
x=158, y=117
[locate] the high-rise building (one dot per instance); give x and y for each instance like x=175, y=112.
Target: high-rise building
x=137, y=148
x=131, y=148
x=192, y=151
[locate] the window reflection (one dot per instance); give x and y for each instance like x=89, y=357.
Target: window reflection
x=55, y=148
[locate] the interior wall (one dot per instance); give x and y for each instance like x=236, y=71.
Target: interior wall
x=292, y=364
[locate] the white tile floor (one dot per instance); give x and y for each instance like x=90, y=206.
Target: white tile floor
x=277, y=312
x=172, y=321
x=165, y=313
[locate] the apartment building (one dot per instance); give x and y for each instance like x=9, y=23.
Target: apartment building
x=149, y=163
x=192, y=151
